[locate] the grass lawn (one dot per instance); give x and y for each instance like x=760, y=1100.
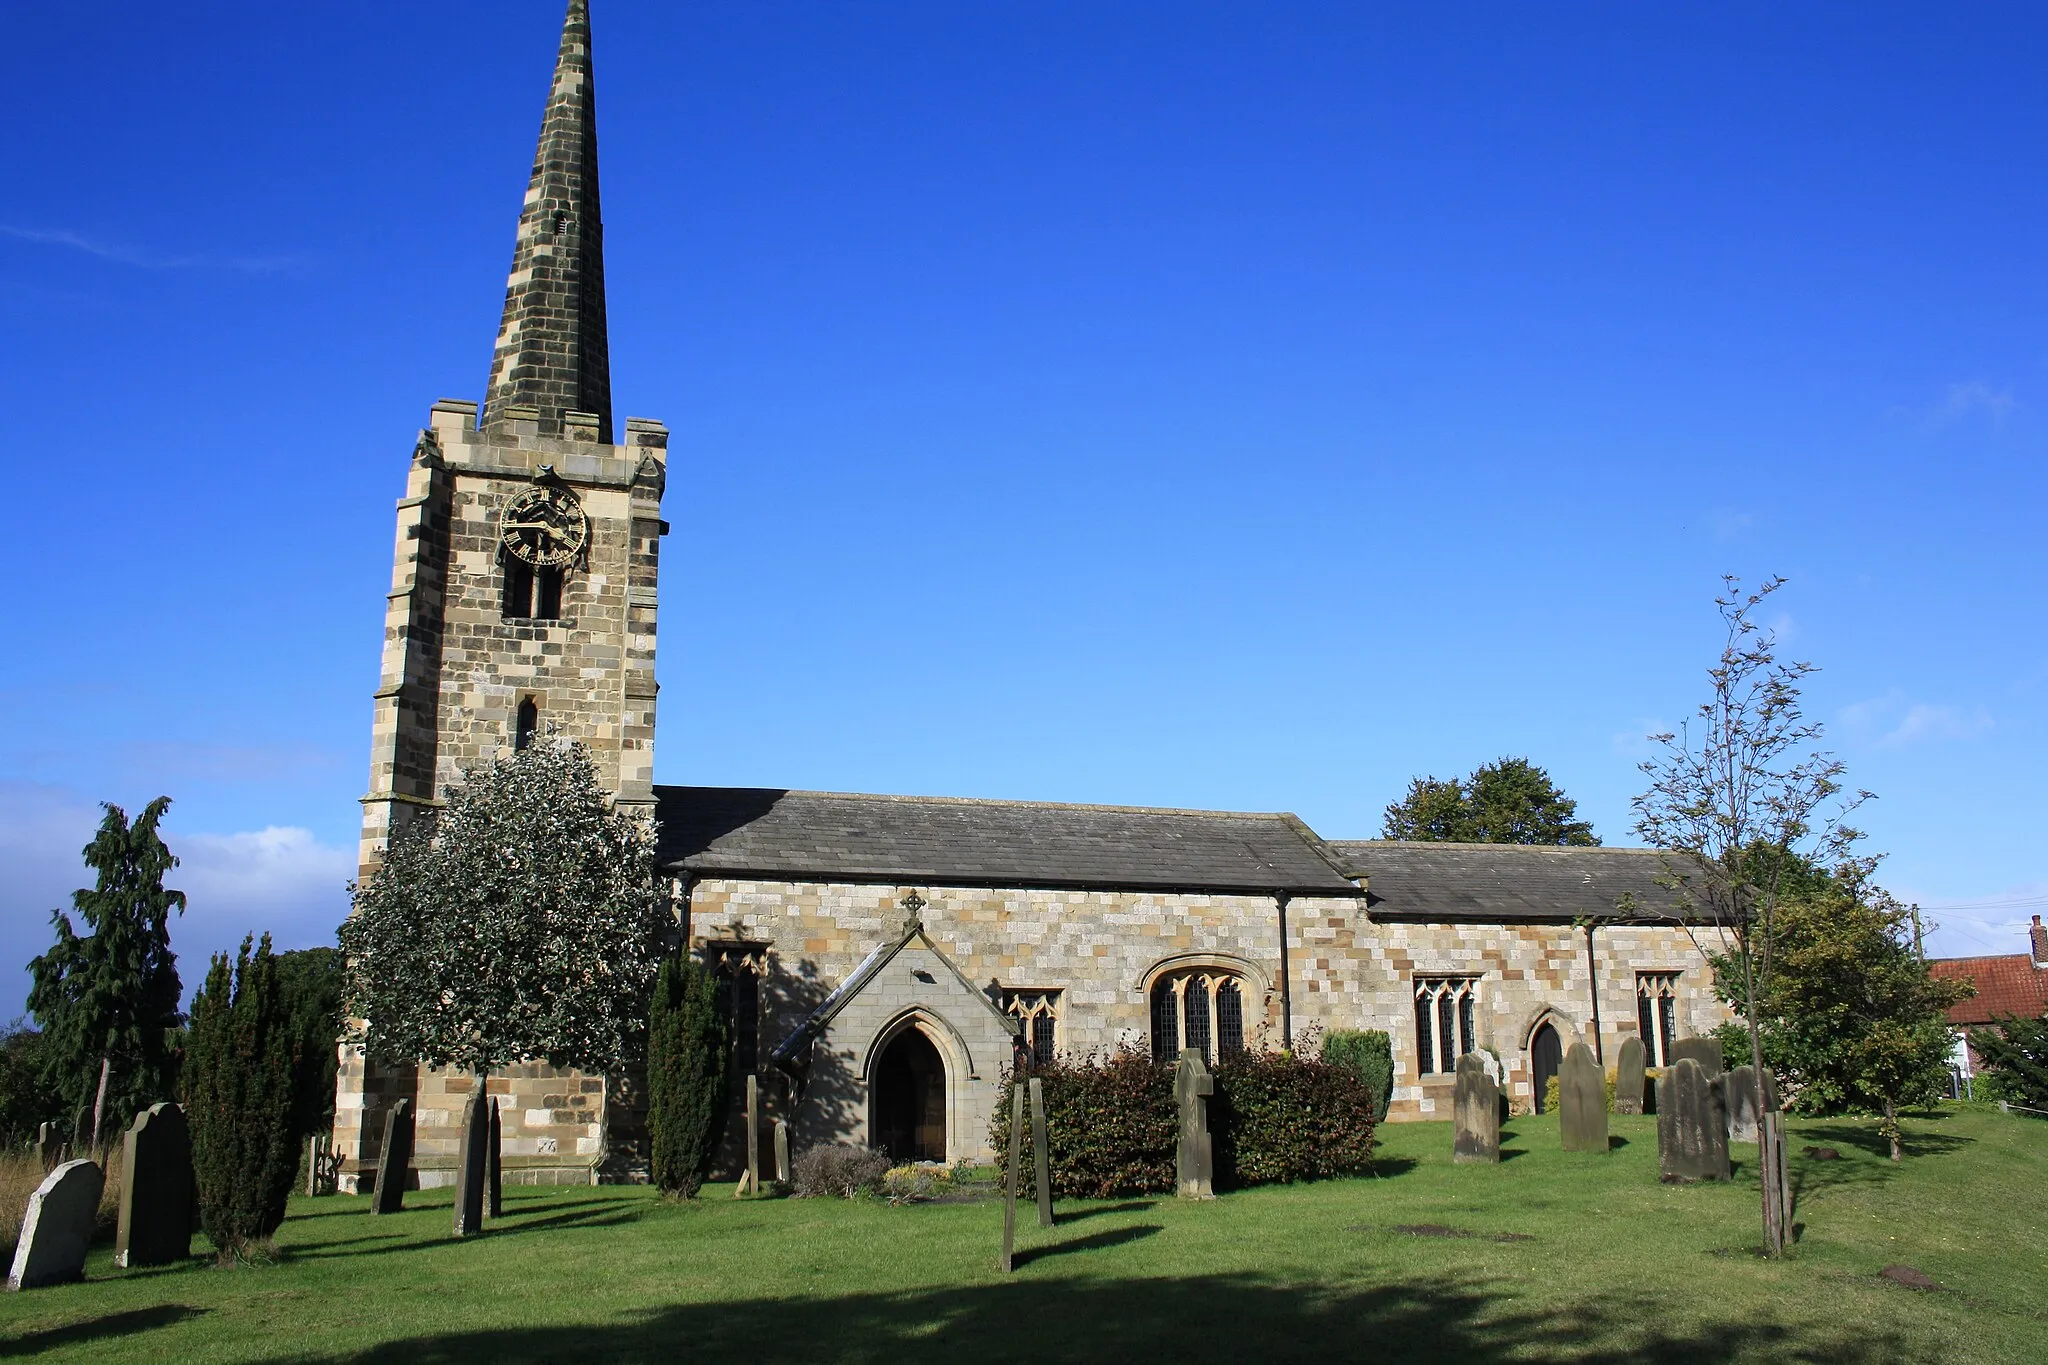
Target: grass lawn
x=1606, y=1265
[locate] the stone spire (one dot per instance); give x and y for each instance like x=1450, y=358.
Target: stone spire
x=552, y=354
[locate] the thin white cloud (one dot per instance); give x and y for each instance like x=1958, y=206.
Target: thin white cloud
x=122, y=254
x=1974, y=399
x=1996, y=923
x=1892, y=721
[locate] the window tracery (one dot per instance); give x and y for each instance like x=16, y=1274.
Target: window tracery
x=1444, y=1023
x=1201, y=1008
x=1657, y=1015
x=1039, y=1012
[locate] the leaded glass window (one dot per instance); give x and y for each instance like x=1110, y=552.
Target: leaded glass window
x=1039, y=1012
x=1445, y=1022
x=1657, y=1014
x=1202, y=1009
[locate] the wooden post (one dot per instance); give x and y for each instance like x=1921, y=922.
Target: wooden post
x=313, y=1165
x=1010, y=1182
x=750, y=1183
x=1041, y=1158
x=494, y=1174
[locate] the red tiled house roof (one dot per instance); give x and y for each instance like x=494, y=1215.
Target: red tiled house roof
x=2010, y=984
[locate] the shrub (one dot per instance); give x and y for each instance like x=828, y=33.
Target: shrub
x=843, y=1170
x=1279, y=1117
x=2015, y=1053
x=1111, y=1125
x=238, y=1099
x=309, y=983
x=686, y=1067
x=1553, y=1097
x=1370, y=1053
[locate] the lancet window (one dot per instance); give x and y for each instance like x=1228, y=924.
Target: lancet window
x=1657, y=1015
x=1444, y=1010
x=1039, y=1012
x=739, y=968
x=1203, y=1009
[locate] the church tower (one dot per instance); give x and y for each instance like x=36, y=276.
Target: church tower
x=522, y=596
x=522, y=606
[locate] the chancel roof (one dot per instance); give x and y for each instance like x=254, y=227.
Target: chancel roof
x=1501, y=883
x=770, y=833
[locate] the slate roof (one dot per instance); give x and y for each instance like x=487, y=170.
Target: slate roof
x=767, y=832
x=1504, y=883
x=2007, y=984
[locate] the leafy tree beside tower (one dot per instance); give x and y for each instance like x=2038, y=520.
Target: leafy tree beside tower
x=107, y=1002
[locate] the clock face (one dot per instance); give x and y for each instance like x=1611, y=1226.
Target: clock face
x=545, y=528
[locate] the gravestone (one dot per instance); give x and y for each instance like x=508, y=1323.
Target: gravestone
x=1692, y=1125
x=1011, y=1176
x=1705, y=1051
x=58, y=1227
x=49, y=1146
x=1475, y=1104
x=750, y=1180
x=494, y=1191
x=472, y=1164
x=1738, y=1094
x=156, y=1189
x=394, y=1163
x=782, y=1152
x=1041, y=1158
x=1582, y=1101
x=1628, y=1077
x=1194, y=1163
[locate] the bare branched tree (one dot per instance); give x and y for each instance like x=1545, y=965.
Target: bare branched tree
x=1738, y=793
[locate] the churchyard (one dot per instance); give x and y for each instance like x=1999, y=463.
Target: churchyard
x=1546, y=1256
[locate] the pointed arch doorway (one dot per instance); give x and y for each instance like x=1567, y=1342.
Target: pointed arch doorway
x=910, y=1099
x=1546, y=1054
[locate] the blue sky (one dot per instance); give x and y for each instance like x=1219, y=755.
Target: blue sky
x=1186, y=404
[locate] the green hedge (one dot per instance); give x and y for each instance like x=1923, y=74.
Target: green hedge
x=1113, y=1125
x=1370, y=1053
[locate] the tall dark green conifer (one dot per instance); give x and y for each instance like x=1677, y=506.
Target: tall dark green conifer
x=686, y=1065
x=238, y=1099
x=107, y=1002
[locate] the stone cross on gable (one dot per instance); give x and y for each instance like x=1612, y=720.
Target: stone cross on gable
x=913, y=912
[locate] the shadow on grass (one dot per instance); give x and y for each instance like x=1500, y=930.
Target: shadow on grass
x=99, y=1329
x=593, y=1213
x=1128, y=1206
x=1039, y=1318
x=1615, y=1142
x=1390, y=1166
x=1110, y=1237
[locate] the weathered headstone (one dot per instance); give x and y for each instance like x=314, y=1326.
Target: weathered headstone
x=1692, y=1125
x=1041, y=1157
x=494, y=1190
x=394, y=1163
x=1011, y=1176
x=1475, y=1104
x=1705, y=1051
x=750, y=1180
x=1194, y=1164
x=1628, y=1077
x=49, y=1146
x=1582, y=1101
x=1738, y=1093
x=782, y=1153
x=472, y=1164
x=156, y=1189
x=58, y=1227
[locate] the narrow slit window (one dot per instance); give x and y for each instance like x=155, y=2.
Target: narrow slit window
x=1229, y=1018
x=1165, y=1022
x=1196, y=1000
x=518, y=601
x=527, y=724
x=547, y=595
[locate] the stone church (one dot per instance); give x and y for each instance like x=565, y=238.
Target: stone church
x=886, y=955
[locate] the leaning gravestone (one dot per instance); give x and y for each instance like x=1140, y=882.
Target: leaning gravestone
x=1628, y=1077
x=1692, y=1125
x=1475, y=1104
x=1705, y=1051
x=1195, y=1158
x=156, y=1190
x=472, y=1166
x=394, y=1163
x=1738, y=1092
x=1582, y=1101
x=58, y=1227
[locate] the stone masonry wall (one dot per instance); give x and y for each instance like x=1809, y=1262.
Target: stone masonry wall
x=1101, y=948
